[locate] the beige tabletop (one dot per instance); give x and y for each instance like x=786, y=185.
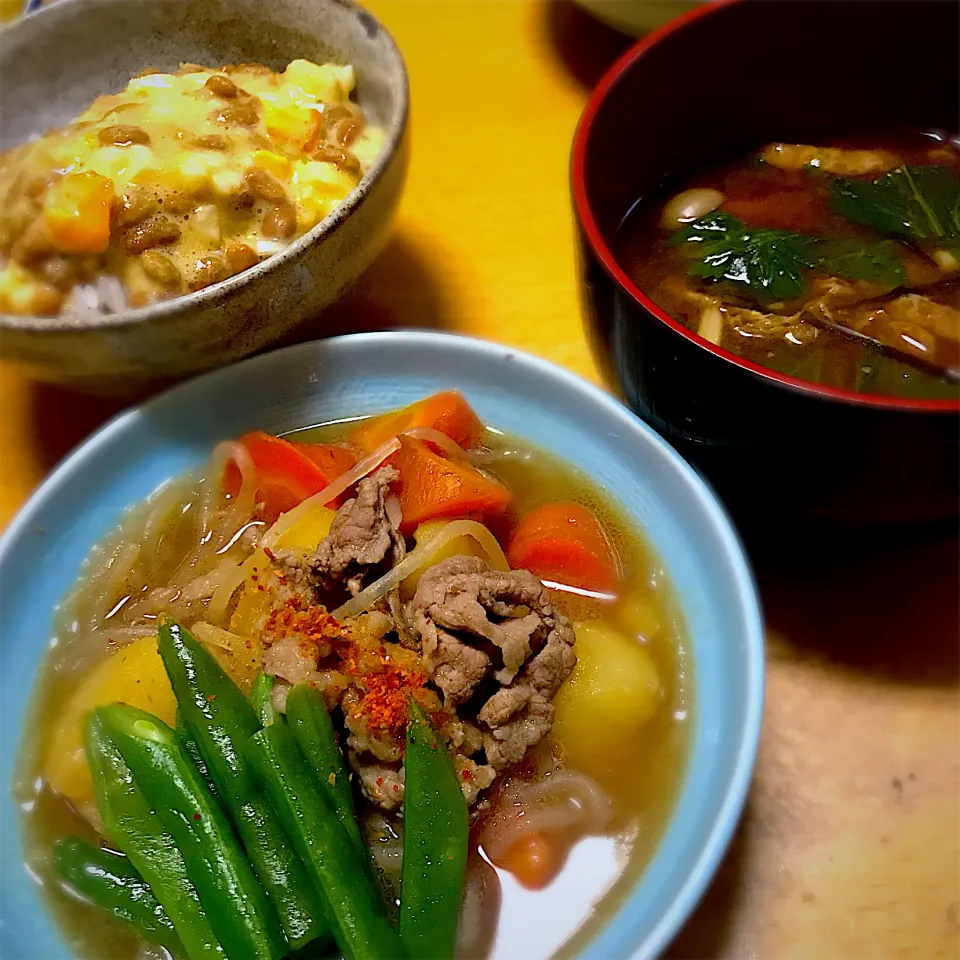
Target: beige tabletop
x=850, y=845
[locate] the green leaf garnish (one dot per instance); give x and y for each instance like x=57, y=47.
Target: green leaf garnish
x=922, y=203
x=768, y=262
x=771, y=264
x=858, y=260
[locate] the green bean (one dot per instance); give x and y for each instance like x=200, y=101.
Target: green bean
x=111, y=882
x=356, y=910
x=260, y=698
x=436, y=826
x=219, y=720
x=311, y=726
x=132, y=824
x=232, y=898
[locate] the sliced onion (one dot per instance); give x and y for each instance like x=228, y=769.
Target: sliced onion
x=213, y=636
x=480, y=910
x=438, y=439
x=208, y=583
x=331, y=491
x=420, y=558
x=230, y=579
x=582, y=789
x=241, y=506
x=251, y=525
x=212, y=487
x=565, y=802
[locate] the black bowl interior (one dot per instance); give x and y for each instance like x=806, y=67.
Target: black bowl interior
x=763, y=70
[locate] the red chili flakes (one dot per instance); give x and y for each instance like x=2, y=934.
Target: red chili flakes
x=313, y=625
x=396, y=788
x=196, y=816
x=379, y=781
x=211, y=698
x=466, y=774
x=387, y=688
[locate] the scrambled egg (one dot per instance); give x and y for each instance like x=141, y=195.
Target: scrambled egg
x=178, y=182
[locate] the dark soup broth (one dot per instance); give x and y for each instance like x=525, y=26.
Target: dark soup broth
x=570, y=632
x=836, y=263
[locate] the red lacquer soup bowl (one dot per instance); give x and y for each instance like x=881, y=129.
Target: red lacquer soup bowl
x=716, y=83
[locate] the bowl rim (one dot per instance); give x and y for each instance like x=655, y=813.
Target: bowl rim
x=638, y=944
x=595, y=241
x=198, y=299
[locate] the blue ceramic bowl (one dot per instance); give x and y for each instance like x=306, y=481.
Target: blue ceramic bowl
x=41, y=554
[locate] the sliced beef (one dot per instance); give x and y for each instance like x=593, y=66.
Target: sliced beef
x=473, y=777
x=473, y=620
x=381, y=744
x=457, y=668
x=463, y=736
x=517, y=718
x=381, y=785
x=364, y=532
x=479, y=625
x=551, y=666
x=291, y=659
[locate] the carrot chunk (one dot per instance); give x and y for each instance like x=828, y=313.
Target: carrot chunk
x=447, y=412
x=433, y=488
x=534, y=860
x=76, y=211
x=330, y=459
x=564, y=542
x=287, y=473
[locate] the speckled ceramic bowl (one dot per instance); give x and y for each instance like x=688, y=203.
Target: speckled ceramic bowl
x=55, y=62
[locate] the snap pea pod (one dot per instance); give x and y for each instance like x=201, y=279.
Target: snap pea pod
x=260, y=698
x=356, y=910
x=313, y=730
x=435, y=829
x=111, y=882
x=219, y=720
x=191, y=749
x=232, y=898
x=132, y=824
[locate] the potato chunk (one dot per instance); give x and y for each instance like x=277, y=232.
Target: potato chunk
x=613, y=691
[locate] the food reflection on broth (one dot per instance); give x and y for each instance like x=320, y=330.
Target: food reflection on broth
x=833, y=263
x=491, y=729
x=177, y=182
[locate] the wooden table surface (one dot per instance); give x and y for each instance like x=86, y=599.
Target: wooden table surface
x=850, y=845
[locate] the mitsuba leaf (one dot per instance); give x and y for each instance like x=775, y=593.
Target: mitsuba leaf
x=767, y=262
x=922, y=203
x=770, y=264
x=852, y=258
